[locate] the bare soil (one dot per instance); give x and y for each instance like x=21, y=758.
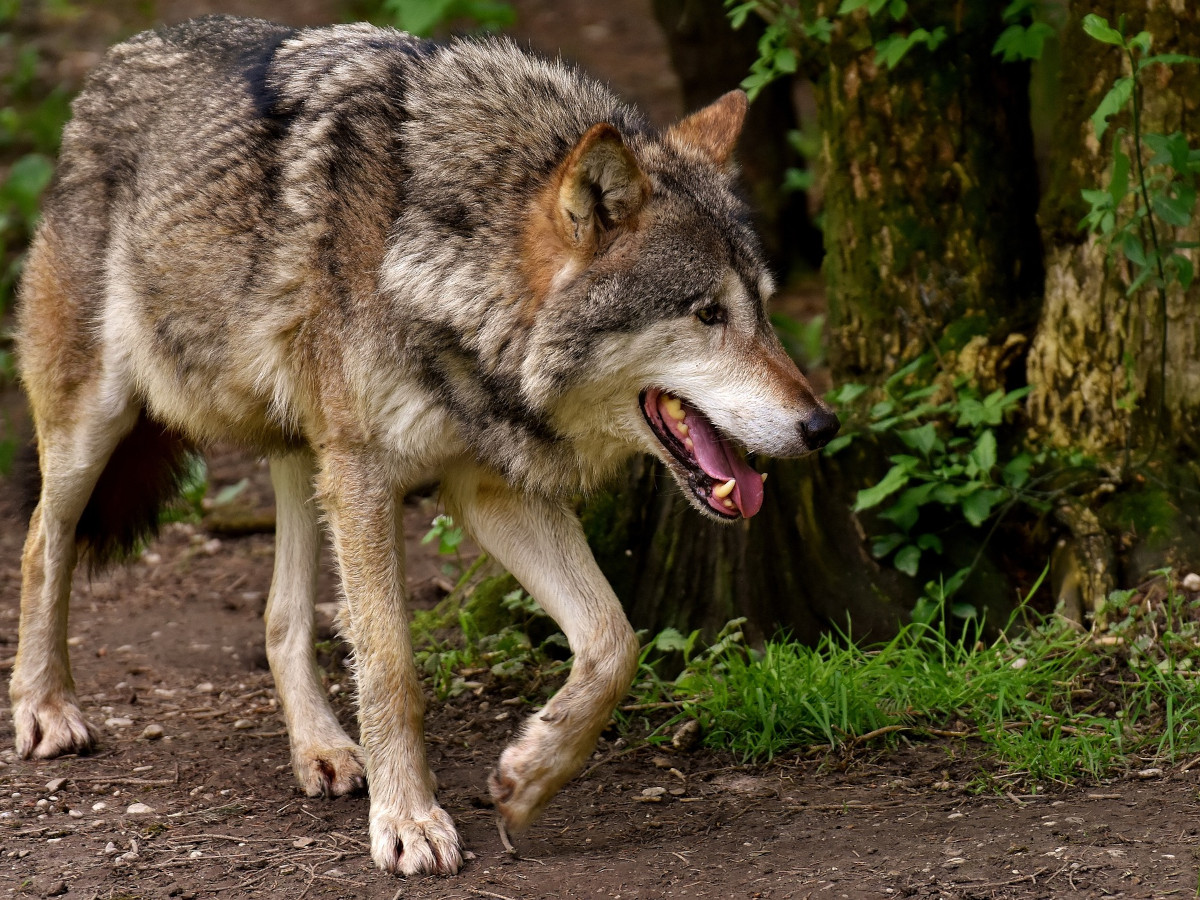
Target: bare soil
x=175, y=640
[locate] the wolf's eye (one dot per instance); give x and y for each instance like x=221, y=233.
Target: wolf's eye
x=713, y=314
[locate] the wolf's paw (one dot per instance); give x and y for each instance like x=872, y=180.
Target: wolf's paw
x=423, y=843
x=51, y=727
x=330, y=771
x=527, y=778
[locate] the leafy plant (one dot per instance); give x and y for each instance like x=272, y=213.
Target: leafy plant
x=1025, y=36
x=449, y=537
x=423, y=17
x=31, y=123
x=951, y=461
x=1150, y=198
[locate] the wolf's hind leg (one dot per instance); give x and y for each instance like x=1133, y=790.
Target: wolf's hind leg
x=326, y=762
x=542, y=543
x=72, y=455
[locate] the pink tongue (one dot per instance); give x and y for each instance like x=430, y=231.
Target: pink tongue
x=721, y=461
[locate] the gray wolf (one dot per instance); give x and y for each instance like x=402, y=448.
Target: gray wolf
x=380, y=261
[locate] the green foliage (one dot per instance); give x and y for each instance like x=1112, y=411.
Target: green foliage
x=31, y=122
x=1150, y=198
x=1025, y=35
x=778, y=53
x=803, y=340
x=449, y=537
x=508, y=653
x=190, y=505
x=424, y=17
x=951, y=461
x=1047, y=706
x=1146, y=199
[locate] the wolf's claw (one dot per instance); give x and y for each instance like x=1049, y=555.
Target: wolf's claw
x=416, y=845
x=330, y=771
x=50, y=728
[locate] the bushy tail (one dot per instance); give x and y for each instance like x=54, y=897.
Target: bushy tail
x=143, y=475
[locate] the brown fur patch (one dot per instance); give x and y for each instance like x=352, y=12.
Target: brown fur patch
x=56, y=345
x=594, y=195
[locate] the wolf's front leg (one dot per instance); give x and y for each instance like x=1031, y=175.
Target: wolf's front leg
x=542, y=543
x=410, y=833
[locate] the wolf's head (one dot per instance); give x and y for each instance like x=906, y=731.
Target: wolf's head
x=644, y=268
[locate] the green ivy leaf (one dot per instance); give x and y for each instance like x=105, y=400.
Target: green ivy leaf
x=886, y=544
x=1020, y=42
x=896, y=478
x=977, y=506
x=1118, y=187
x=838, y=443
x=1167, y=59
x=984, y=454
x=922, y=439
x=907, y=508
x=908, y=559
x=1114, y=101
x=1131, y=246
x=1097, y=27
x=1175, y=211
x=930, y=542
x=1184, y=270
x=669, y=640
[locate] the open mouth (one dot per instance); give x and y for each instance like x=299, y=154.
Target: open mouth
x=716, y=472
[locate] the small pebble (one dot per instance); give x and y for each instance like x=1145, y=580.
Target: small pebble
x=686, y=736
x=118, y=722
x=205, y=687
x=152, y=732
x=139, y=809
x=54, y=785
x=653, y=791
x=110, y=848
x=243, y=724
x=301, y=842
x=1191, y=582
x=75, y=813
x=96, y=807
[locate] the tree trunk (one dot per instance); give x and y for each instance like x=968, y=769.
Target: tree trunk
x=930, y=191
x=1096, y=350
x=930, y=200
x=1097, y=358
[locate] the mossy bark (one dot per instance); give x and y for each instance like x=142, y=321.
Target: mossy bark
x=930, y=189
x=1095, y=361
x=930, y=201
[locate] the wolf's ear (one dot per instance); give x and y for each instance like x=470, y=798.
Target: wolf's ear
x=601, y=187
x=714, y=130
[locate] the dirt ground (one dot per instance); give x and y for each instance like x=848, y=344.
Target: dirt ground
x=210, y=808
x=175, y=641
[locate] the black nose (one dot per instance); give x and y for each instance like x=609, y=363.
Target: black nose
x=819, y=427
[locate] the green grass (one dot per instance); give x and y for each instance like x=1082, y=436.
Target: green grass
x=1046, y=703
x=1054, y=705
